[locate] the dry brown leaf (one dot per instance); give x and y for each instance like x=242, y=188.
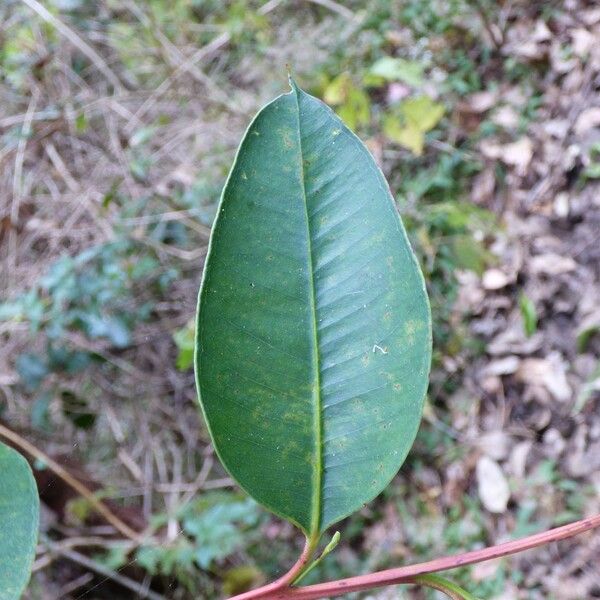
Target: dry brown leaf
x=587, y=119
x=591, y=16
x=502, y=366
x=481, y=101
x=541, y=33
x=507, y=117
x=583, y=41
x=518, y=458
x=512, y=340
x=495, y=444
x=483, y=186
x=495, y=279
x=561, y=205
x=560, y=62
x=549, y=373
x=516, y=154
x=554, y=443
x=557, y=128
x=551, y=264
x=492, y=486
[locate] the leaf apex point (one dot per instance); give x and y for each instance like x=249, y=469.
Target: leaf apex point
x=291, y=80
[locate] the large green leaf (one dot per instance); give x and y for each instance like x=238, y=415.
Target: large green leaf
x=19, y=517
x=313, y=334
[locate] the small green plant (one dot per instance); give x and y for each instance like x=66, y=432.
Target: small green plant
x=528, y=314
x=100, y=295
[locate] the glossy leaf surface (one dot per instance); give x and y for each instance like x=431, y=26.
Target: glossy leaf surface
x=313, y=333
x=19, y=518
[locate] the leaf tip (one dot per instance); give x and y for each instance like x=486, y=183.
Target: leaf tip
x=291, y=79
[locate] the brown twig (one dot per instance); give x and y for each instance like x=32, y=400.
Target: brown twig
x=79, y=487
x=408, y=573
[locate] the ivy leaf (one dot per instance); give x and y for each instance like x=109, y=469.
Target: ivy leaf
x=19, y=518
x=314, y=331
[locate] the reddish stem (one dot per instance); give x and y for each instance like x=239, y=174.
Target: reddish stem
x=285, y=580
x=405, y=574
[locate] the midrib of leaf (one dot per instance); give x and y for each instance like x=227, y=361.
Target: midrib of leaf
x=317, y=412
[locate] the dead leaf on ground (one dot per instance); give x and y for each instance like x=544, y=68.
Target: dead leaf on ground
x=482, y=189
x=495, y=279
x=495, y=444
x=518, y=458
x=583, y=41
x=502, y=366
x=512, y=340
x=494, y=492
x=516, y=154
x=507, y=117
x=551, y=264
x=587, y=119
x=549, y=373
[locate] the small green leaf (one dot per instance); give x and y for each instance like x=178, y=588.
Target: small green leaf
x=76, y=409
x=414, y=117
x=19, y=517
x=31, y=369
x=356, y=110
x=314, y=331
x=354, y=106
x=453, y=591
x=422, y=112
x=528, y=314
x=217, y=522
x=331, y=546
x=184, y=340
x=469, y=253
x=592, y=171
x=398, y=69
x=81, y=123
x=337, y=90
x=407, y=135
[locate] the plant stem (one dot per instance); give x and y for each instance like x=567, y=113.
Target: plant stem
x=285, y=580
x=282, y=591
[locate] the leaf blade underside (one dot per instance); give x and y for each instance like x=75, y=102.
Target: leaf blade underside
x=19, y=518
x=313, y=334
